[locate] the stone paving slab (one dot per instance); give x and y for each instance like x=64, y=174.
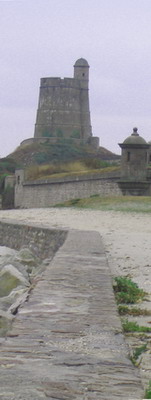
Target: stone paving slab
x=66, y=342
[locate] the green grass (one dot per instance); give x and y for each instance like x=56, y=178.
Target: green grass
x=63, y=169
x=148, y=392
x=127, y=291
x=120, y=203
x=135, y=311
x=137, y=352
x=130, y=326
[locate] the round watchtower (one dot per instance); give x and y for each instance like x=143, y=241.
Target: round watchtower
x=81, y=69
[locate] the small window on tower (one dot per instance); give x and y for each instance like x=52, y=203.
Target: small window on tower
x=128, y=156
x=83, y=74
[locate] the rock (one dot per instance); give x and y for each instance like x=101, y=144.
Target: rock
x=25, y=256
x=5, y=322
x=26, y=262
x=13, y=309
x=17, y=269
x=16, y=295
x=6, y=256
x=6, y=251
x=11, y=278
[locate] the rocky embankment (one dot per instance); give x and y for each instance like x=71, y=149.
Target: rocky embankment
x=18, y=271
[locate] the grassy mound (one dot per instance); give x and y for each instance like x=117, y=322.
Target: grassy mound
x=52, y=170
x=45, y=159
x=65, y=150
x=121, y=203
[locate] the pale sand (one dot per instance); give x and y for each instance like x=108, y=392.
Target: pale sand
x=126, y=236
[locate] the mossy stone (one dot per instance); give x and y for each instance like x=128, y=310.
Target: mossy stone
x=8, y=282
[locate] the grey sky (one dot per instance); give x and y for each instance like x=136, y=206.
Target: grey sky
x=41, y=38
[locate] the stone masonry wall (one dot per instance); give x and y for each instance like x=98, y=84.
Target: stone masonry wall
x=48, y=193
x=63, y=109
x=41, y=241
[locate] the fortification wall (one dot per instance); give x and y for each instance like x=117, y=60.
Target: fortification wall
x=48, y=193
x=43, y=242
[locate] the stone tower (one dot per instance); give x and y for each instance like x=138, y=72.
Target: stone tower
x=134, y=159
x=63, y=109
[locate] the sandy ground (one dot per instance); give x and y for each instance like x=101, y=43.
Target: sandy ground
x=126, y=236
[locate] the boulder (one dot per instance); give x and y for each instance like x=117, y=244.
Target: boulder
x=16, y=297
x=10, y=278
x=25, y=256
x=6, y=256
x=27, y=260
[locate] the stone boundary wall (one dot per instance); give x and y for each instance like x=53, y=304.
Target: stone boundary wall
x=43, y=242
x=48, y=193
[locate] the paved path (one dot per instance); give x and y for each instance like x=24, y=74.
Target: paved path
x=66, y=342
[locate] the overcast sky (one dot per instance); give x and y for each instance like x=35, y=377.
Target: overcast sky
x=41, y=38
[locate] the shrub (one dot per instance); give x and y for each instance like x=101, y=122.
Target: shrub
x=135, y=311
x=130, y=326
x=138, y=351
x=7, y=164
x=148, y=392
x=127, y=291
x=41, y=158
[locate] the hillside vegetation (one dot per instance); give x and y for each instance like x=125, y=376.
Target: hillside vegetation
x=60, y=170
x=7, y=167
x=45, y=159
x=64, y=150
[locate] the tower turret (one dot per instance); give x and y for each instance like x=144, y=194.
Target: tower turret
x=81, y=70
x=134, y=159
